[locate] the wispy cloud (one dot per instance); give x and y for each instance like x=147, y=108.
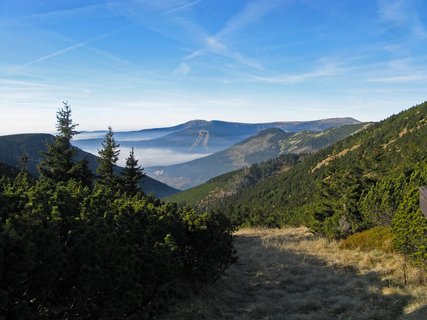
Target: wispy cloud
x=324, y=70
x=216, y=43
x=181, y=7
x=214, y=46
x=251, y=13
x=111, y=57
x=402, y=14
x=170, y=18
x=183, y=69
x=67, y=13
x=398, y=71
x=400, y=78
x=72, y=47
x=88, y=11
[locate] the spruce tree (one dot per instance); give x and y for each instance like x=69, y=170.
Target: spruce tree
x=132, y=174
x=109, y=154
x=58, y=160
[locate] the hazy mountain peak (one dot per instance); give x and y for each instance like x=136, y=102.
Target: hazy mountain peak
x=196, y=123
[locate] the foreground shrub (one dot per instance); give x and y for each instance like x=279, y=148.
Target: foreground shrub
x=67, y=251
x=410, y=228
x=380, y=238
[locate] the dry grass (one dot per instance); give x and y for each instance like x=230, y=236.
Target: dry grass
x=331, y=158
x=290, y=274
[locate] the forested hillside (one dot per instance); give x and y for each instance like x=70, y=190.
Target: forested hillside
x=370, y=178
x=208, y=194
x=8, y=171
x=12, y=147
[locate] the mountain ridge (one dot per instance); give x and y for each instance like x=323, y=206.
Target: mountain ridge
x=222, y=134
x=265, y=145
x=201, y=122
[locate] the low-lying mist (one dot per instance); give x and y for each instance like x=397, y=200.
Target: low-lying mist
x=151, y=157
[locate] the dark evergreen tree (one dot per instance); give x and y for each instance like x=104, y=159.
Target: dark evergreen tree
x=59, y=163
x=132, y=174
x=109, y=154
x=58, y=160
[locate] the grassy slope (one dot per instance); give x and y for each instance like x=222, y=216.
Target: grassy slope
x=307, y=141
x=290, y=274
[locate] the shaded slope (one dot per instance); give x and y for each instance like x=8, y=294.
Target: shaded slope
x=13, y=146
x=8, y=171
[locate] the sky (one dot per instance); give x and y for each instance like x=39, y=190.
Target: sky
x=134, y=64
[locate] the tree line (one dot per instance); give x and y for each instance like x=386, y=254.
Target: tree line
x=59, y=165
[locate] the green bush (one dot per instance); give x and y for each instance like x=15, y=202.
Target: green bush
x=67, y=251
x=380, y=238
x=410, y=228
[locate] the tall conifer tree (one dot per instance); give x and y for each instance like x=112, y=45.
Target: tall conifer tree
x=109, y=154
x=132, y=174
x=58, y=160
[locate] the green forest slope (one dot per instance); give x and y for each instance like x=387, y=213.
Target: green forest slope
x=207, y=194
x=370, y=178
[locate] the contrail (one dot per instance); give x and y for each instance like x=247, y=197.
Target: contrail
x=74, y=46
x=181, y=7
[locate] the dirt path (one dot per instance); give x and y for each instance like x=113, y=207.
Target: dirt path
x=289, y=274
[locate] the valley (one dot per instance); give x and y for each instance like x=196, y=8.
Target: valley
x=266, y=145
x=210, y=160
x=191, y=153
x=322, y=220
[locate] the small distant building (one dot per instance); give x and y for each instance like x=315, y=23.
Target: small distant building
x=423, y=200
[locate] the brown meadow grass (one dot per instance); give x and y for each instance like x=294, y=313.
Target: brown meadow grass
x=291, y=274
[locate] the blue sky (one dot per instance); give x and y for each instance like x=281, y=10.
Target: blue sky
x=136, y=64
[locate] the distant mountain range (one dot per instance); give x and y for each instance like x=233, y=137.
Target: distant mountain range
x=159, y=147
x=13, y=146
x=267, y=144
x=216, y=146
x=202, y=137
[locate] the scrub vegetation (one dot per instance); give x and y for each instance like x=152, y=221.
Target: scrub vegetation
x=78, y=246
